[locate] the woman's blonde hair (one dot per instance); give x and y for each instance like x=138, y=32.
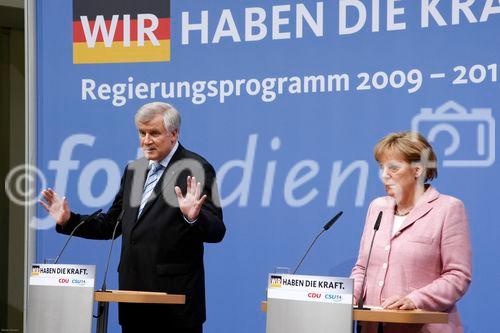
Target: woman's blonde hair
x=413, y=147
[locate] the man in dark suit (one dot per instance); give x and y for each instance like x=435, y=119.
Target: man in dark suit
x=166, y=220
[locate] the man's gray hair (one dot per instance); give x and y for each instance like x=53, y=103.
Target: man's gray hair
x=171, y=117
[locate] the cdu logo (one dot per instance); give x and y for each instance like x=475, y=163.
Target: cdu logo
x=117, y=31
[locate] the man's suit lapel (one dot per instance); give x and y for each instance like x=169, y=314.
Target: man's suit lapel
x=139, y=174
x=164, y=183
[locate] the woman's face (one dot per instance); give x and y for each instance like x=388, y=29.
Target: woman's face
x=400, y=178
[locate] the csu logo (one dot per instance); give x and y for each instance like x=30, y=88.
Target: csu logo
x=78, y=282
x=121, y=31
x=333, y=297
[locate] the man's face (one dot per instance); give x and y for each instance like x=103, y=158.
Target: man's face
x=156, y=141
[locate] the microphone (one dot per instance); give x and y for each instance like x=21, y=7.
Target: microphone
x=327, y=226
x=103, y=307
x=91, y=216
x=375, y=227
x=118, y=221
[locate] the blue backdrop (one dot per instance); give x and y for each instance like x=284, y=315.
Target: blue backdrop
x=286, y=99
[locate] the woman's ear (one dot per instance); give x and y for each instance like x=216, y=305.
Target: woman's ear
x=419, y=170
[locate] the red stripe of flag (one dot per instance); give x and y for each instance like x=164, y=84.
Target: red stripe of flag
x=161, y=33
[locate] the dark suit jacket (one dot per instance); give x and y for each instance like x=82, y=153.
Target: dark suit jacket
x=160, y=250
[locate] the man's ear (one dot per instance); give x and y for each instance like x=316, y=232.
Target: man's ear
x=175, y=134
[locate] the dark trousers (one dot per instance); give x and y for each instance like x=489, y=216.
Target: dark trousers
x=166, y=329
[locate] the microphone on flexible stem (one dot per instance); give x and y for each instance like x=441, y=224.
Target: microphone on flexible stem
x=327, y=226
x=91, y=216
x=118, y=221
x=103, y=307
x=361, y=299
x=375, y=227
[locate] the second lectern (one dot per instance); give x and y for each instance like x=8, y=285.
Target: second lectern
x=309, y=304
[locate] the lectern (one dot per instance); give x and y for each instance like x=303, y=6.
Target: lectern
x=130, y=296
x=60, y=299
x=306, y=303
x=60, y=296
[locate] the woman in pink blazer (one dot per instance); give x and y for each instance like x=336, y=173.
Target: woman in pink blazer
x=421, y=257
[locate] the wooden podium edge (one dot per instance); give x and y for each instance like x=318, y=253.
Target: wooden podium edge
x=394, y=316
x=401, y=316
x=129, y=296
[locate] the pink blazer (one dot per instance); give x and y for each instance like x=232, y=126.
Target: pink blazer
x=428, y=259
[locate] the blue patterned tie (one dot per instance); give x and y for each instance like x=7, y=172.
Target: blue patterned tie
x=153, y=176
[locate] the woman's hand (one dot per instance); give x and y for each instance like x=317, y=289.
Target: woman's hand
x=397, y=302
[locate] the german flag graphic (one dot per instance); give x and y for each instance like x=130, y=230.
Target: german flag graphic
x=114, y=31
